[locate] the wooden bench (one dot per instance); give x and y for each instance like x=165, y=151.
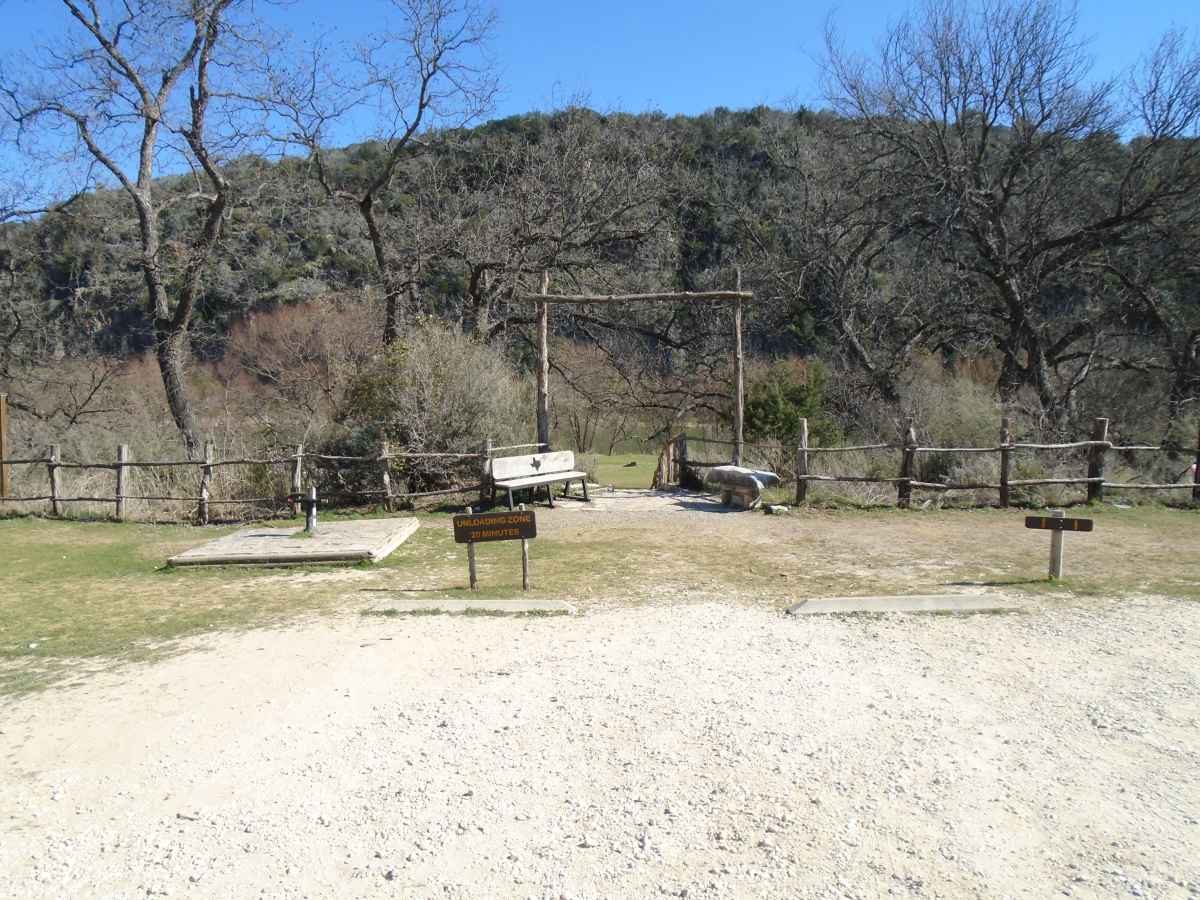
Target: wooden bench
x=515, y=472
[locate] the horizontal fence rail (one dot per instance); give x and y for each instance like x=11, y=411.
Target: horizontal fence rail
x=476, y=462
x=675, y=464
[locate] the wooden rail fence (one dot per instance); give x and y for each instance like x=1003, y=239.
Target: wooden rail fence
x=674, y=460
x=204, y=499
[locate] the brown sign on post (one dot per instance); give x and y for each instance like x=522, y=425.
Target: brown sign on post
x=498, y=526
x=1056, y=523
x=1046, y=523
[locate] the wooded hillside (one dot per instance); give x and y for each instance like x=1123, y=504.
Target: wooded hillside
x=980, y=207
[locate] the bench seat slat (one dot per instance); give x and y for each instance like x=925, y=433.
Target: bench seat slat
x=547, y=478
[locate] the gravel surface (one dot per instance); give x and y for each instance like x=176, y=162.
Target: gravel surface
x=701, y=749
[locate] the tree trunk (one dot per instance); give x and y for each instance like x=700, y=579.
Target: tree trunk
x=171, y=346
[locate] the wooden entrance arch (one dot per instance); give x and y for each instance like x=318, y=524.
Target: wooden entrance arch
x=545, y=298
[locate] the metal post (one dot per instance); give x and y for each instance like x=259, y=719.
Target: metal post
x=524, y=560
x=310, y=511
x=122, y=474
x=471, y=557
x=1056, y=547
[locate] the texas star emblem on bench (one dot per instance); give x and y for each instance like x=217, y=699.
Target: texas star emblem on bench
x=532, y=470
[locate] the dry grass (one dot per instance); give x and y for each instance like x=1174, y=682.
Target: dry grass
x=77, y=596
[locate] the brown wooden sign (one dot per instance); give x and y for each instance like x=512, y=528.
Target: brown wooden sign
x=1046, y=523
x=498, y=526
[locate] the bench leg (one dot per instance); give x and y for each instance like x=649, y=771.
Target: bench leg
x=510, y=504
x=550, y=494
x=583, y=482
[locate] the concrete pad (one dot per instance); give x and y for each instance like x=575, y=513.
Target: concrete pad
x=333, y=542
x=513, y=607
x=917, y=603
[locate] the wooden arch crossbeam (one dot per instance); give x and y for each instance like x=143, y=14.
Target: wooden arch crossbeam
x=545, y=298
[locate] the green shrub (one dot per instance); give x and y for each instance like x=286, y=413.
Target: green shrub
x=780, y=396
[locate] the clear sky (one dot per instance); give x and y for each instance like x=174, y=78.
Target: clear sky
x=677, y=56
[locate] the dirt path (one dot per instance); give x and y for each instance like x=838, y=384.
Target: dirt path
x=699, y=749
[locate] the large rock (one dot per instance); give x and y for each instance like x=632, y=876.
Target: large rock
x=741, y=486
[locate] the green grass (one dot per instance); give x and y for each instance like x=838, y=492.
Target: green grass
x=79, y=596
x=615, y=470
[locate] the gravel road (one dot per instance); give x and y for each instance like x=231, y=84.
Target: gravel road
x=701, y=749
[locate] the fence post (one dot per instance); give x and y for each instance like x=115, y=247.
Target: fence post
x=206, y=473
x=681, y=443
x=385, y=462
x=668, y=464
x=1196, y=472
x=802, y=464
x=122, y=474
x=297, y=480
x=485, y=469
x=5, y=471
x=52, y=469
x=1005, y=459
x=907, y=466
x=1095, y=489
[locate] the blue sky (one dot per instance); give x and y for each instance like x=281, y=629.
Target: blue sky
x=672, y=55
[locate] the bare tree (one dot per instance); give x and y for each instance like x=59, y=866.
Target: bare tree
x=819, y=239
x=1005, y=157
x=427, y=71
x=135, y=95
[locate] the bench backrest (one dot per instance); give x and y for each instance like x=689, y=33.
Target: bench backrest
x=506, y=467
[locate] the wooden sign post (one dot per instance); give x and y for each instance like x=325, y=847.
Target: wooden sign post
x=513, y=525
x=1056, y=524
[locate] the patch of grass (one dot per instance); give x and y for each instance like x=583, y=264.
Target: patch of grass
x=615, y=470
x=76, y=596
